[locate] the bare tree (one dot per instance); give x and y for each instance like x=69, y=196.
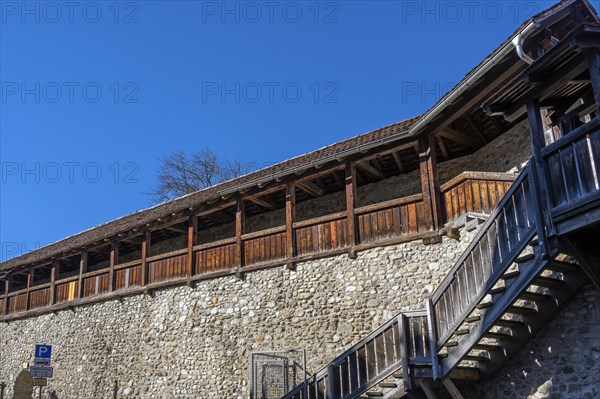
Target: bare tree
x=181, y=173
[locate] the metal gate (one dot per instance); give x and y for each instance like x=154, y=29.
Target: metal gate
x=275, y=373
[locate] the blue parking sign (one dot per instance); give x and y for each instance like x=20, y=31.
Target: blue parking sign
x=43, y=351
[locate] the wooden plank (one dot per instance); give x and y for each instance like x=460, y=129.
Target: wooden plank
x=145, y=252
x=351, y=205
x=54, y=271
x=191, y=242
x=239, y=230
x=412, y=218
x=114, y=259
x=290, y=218
x=362, y=366
x=82, y=269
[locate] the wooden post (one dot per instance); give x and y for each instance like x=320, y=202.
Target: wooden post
x=7, y=289
x=290, y=218
x=145, y=251
x=594, y=63
x=114, y=259
x=54, y=271
x=538, y=141
x=192, y=229
x=82, y=269
x=350, y=205
x=239, y=230
x=30, y=275
x=429, y=184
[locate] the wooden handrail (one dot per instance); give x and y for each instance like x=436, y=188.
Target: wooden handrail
x=389, y=204
x=319, y=220
x=126, y=265
x=573, y=135
x=214, y=244
x=166, y=255
x=263, y=233
x=469, y=175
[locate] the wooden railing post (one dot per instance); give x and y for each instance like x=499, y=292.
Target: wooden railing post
x=82, y=269
x=432, y=330
x=30, y=274
x=239, y=230
x=594, y=63
x=429, y=184
x=350, y=205
x=404, y=355
x=540, y=176
x=114, y=259
x=145, y=251
x=290, y=218
x=54, y=270
x=7, y=289
x=191, y=236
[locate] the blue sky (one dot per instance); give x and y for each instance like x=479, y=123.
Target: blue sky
x=92, y=92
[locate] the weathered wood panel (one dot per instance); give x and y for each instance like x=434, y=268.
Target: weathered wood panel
x=265, y=248
x=393, y=221
x=66, y=291
x=322, y=237
x=95, y=285
x=222, y=257
x=39, y=298
x=167, y=269
x=17, y=303
x=478, y=192
x=129, y=277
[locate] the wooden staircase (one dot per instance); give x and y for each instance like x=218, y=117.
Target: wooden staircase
x=505, y=287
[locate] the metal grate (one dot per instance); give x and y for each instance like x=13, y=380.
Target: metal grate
x=275, y=373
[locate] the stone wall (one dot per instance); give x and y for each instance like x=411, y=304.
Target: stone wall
x=195, y=342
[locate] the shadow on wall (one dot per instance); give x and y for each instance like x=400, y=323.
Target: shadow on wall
x=23, y=386
x=52, y=395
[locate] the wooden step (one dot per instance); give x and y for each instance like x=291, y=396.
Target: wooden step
x=510, y=275
x=524, y=258
x=562, y=267
x=374, y=394
x=388, y=385
x=547, y=282
x=508, y=323
x=487, y=347
x=477, y=358
x=472, y=319
x=533, y=296
x=497, y=335
x=462, y=331
x=497, y=290
x=534, y=243
x=450, y=344
x=515, y=309
x=484, y=305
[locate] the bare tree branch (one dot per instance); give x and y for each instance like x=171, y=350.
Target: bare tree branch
x=180, y=173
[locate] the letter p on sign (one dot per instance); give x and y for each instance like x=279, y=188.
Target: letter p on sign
x=43, y=351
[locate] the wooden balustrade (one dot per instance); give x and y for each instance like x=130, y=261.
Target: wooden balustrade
x=477, y=192
x=504, y=235
x=386, y=222
x=572, y=165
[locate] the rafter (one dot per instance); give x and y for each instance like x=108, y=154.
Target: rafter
x=398, y=161
x=442, y=146
x=370, y=170
x=458, y=137
x=264, y=202
x=310, y=188
x=477, y=131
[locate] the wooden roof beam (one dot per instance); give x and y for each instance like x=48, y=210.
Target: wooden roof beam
x=310, y=188
x=477, y=131
x=370, y=170
x=442, y=146
x=458, y=137
x=264, y=202
x=398, y=161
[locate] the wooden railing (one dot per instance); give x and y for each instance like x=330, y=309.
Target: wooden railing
x=503, y=237
x=399, y=344
x=572, y=165
x=478, y=192
x=383, y=223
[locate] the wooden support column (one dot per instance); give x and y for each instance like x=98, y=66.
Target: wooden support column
x=54, y=271
x=191, y=235
x=145, y=251
x=350, y=205
x=429, y=183
x=240, y=214
x=540, y=178
x=82, y=269
x=30, y=275
x=7, y=288
x=594, y=63
x=290, y=218
x=114, y=259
